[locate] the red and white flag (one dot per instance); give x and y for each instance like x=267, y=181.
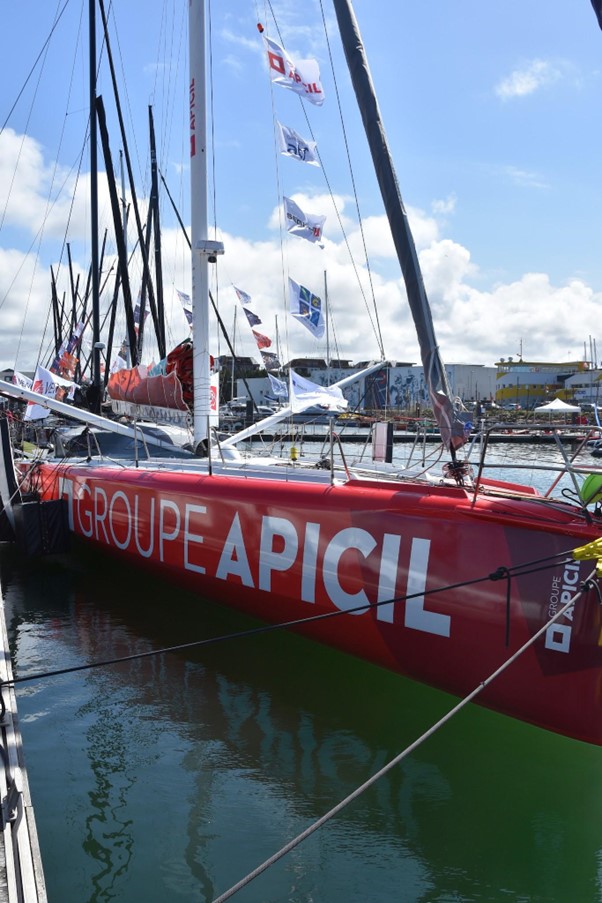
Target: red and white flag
x=51, y=386
x=302, y=76
x=302, y=224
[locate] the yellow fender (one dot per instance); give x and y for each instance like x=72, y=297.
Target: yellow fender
x=591, y=550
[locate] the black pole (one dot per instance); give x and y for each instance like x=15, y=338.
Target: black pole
x=119, y=236
x=128, y=162
x=154, y=205
x=95, y=396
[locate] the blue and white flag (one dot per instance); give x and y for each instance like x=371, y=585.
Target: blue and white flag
x=252, y=318
x=304, y=394
x=304, y=225
x=307, y=308
x=291, y=144
x=246, y=300
x=302, y=77
x=186, y=306
x=270, y=360
x=279, y=387
x=242, y=296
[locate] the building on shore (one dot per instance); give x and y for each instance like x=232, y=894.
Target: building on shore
x=397, y=386
x=526, y=384
x=585, y=387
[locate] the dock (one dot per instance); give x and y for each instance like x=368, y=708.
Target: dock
x=320, y=433
x=21, y=873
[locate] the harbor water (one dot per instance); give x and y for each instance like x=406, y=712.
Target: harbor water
x=169, y=778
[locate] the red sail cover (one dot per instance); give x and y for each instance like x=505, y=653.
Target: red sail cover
x=171, y=389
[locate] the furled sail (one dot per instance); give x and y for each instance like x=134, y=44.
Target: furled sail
x=168, y=384
x=452, y=427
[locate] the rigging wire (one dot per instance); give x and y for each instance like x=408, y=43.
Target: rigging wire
x=376, y=328
x=355, y=195
x=33, y=67
x=49, y=204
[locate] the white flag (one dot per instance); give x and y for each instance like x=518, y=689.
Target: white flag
x=118, y=364
x=291, y=144
x=19, y=379
x=302, y=77
x=304, y=225
x=304, y=394
x=306, y=308
x=46, y=383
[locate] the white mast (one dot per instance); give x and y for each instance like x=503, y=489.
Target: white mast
x=203, y=251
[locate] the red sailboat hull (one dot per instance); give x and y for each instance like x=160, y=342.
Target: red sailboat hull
x=283, y=550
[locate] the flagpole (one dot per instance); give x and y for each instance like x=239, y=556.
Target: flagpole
x=233, y=355
x=327, y=330
x=278, y=349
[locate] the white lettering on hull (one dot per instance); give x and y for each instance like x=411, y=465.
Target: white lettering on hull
x=558, y=635
x=343, y=566
x=350, y=538
x=190, y=537
x=270, y=560
x=120, y=497
x=233, y=560
x=417, y=617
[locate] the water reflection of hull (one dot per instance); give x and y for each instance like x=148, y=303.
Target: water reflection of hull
x=269, y=733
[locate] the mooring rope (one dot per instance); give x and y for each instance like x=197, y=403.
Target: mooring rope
x=502, y=572
x=402, y=755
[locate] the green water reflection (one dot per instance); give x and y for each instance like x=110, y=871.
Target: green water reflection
x=170, y=778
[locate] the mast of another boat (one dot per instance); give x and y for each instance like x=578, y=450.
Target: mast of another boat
x=203, y=250
x=232, y=392
x=96, y=346
x=326, y=318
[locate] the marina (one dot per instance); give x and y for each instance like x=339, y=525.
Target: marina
x=428, y=571
x=519, y=434
x=257, y=657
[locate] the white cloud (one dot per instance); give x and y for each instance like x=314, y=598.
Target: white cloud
x=444, y=206
x=524, y=177
x=472, y=324
x=531, y=77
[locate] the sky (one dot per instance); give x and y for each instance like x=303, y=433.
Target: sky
x=492, y=112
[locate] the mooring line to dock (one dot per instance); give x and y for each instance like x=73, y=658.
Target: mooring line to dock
x=402, y=755
x=501, y=573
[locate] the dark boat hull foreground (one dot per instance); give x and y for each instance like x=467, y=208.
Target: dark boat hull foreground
x=281, y=550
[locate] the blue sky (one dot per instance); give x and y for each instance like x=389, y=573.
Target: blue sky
x=493, y=117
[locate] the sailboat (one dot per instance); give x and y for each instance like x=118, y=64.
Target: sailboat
x=443, y=577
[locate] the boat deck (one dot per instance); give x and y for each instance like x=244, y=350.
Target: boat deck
x=21, y=873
